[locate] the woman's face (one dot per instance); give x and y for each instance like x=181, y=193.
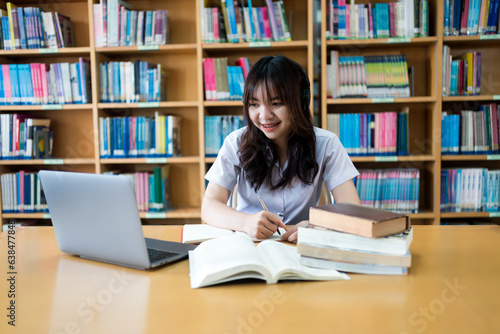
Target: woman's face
x=271, y=117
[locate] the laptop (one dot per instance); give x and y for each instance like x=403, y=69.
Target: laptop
x=95, y=216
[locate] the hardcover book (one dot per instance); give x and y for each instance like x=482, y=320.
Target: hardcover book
x=236, y=257
x=360, y=220
x=398, y=244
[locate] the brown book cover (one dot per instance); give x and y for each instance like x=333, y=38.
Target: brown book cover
x=360, y=220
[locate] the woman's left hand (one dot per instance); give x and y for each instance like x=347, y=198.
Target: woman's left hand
x=291, y=233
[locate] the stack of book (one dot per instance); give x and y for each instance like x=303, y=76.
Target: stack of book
x=390, y=189
x=131, y=82
x=384, y=76
x=381, y=133
x=40, y=83
x=140, y=136
x=356, y=239
x=25, y=137
x=117, y=24
x=217, y=128
x=248, y=21
x=22, y=193
x=32, y=28
x=224, y=81
x=461, y=73
x=471, y=131
x=404, y=18
x=470, y=190
x=462, y=17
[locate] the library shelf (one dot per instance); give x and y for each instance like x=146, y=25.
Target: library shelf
x=388, y=100
x=47, y=162
x=152, y=160
x=140, y=105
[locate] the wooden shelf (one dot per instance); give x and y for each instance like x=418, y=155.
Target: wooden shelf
x=398, y=158
x=22, y=108
x=46, y=52
x=193, y=213
x=54, y=161
x=405, y=100
x=451, y=215
x=223, y=103
x=471, y=98
x=164, y=104
x=174, y=48
x=470, y=157
x=383, y=41
x=257, y=45
x=471, y=39
x=134, y=161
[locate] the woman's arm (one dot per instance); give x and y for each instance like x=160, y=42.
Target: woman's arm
x=345, y=193
x=215, y=212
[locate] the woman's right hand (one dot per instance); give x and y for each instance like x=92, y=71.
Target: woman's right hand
x=263, y=224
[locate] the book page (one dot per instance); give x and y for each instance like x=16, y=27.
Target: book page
x=284, y=263
x=275, y=236
x=224, y=259
x=194, y=233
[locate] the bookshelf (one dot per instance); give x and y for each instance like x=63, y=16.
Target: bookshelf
x=76, y=126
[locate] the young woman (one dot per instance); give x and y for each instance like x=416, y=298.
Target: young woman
x=279, y=156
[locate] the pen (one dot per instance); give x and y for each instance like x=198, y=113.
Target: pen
x=265, y=208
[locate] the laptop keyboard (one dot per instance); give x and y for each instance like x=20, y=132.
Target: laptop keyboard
x=157, y=255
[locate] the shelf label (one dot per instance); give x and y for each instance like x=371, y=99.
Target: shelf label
x=52, y=107
x=261, y=44
x=383, y=100
x=496, y=97
x=485, y=37
x=493, y=157
x=156, y=215
x=156, y=160
x=48, y=50
x=53, y=162
x=46, y=216
x=148, y=47
x=494, y=214
x=149, y=104
x=399, y=40
x=386, y=159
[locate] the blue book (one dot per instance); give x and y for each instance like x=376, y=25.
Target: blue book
x=14, y=82
x=2, y=91
x=116, y=82
x=355, y=134
x=148, y=25
x=39, y=28
x=22, y=28
x=342, y=32
x=126, y=135
x=494, y=18
x=129, y=25
x=7, y=43
x=231, y=14
x=251, y=23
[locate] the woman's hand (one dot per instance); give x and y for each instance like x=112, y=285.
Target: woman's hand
x=263, y=224
x=291, y=234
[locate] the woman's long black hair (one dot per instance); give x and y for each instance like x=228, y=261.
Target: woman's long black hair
x=282, y=77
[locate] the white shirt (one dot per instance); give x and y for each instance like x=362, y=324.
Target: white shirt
x=294, y=201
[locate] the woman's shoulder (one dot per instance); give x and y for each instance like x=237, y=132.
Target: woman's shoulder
x=235, y=136
x=324, y=135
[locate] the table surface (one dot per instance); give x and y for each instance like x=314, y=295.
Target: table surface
x=452, y=287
